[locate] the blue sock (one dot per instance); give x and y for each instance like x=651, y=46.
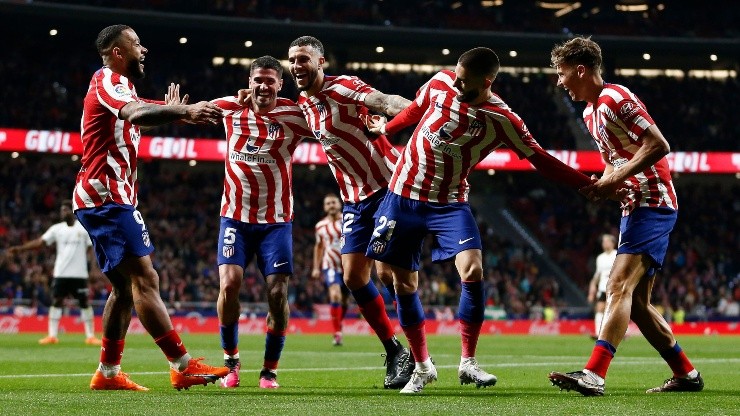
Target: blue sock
x=274, y=343
x=671, y=352
x=410, y=311
x=365, y=294
x=230, y=336
x=472, y=302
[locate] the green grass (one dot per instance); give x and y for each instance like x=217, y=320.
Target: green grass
x=318, y=379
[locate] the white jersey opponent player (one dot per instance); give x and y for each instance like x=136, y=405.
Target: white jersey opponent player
x=105, y=200
x=597, y=286
x=327, y=261
x=460, y=121
x=257, y=210
x=70, y=271
x=634, y=151
x=362, y=165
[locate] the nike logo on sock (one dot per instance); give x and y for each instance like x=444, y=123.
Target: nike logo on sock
x=465, y=241
x=276, y=264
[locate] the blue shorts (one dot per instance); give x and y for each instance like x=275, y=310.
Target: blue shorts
x=238, y=242
x=401, y=224
x=332, y=277
x=646, y=231
x=358, y=223
x=116, y=231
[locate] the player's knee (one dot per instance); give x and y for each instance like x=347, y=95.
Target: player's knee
x=230, y=284
x=472, y=272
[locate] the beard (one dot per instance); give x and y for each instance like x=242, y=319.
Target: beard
x=134, y=69
x=310, y=79
x=468, y=96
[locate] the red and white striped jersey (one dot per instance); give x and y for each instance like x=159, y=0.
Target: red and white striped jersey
x=109, y=144
x=450, y=139
x=361, y=164
x=616, y=123
x=329, y=232
x=259, y=171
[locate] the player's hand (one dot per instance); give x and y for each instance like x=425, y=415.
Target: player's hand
x=374, y=123
x=315, y=273
x=173, y=95
x=243, y=96
x=203, y=112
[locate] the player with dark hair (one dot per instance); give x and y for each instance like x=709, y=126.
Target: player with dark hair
x=362, y=165
x=460, y=121
x=257, y=210
x=70, y=271
x=634, y=151
x=327, y=261
x=105, y=201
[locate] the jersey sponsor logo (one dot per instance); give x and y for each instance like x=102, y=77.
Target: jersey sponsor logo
x=227, y=251
x=122, y=91
x=235, y=156
x=439, y=140
x=251, y=148
x=325, y=141
x=629, y=109
x=475, y=128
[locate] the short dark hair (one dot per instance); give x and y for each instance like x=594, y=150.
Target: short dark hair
x=67, y=203
x=267, y=62
x=107, y=37
x=577, y=51
x=480, y=62
x=309, y=41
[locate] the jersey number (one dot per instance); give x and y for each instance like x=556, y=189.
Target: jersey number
x=384, y=222
x=229, y=235
x=349, y=218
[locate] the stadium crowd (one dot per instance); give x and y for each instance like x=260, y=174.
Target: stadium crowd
x=675, y=18
x=180, y=205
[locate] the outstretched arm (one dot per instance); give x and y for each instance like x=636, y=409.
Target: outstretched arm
x=145, y=114
x=28, y=245
x=386, y=103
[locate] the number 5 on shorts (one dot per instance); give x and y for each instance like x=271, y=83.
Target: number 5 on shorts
x=229, y=235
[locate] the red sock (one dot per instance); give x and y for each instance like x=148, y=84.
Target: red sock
x=679, y=363
x=416, y=335
x=375, y=315
x=336, y=317
x=469, y=333
x=171, y=345
x=111, y=351
x=600, y=359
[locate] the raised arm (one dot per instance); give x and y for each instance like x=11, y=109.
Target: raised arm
x=386, y=103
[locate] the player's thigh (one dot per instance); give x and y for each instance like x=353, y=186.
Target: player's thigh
x=275, y=251
x=358, y=222
x=235, y=243
x=627, y=271
x=398, y=233
x=454, y=230
x=117, y=232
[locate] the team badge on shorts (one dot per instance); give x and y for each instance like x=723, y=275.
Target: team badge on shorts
x=341, y=242
x=378, y=246
x=145, y=238
x=228, y=251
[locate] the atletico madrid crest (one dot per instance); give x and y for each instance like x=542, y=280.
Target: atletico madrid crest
x=228, y=251
x=378, y=246
x=145, y=238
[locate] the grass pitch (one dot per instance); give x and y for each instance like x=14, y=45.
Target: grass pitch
x=318, y=379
